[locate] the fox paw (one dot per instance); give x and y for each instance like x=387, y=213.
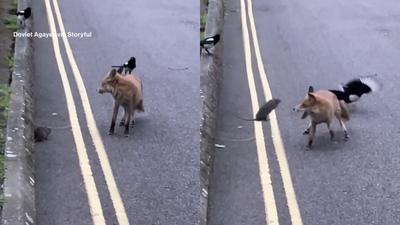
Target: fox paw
x=309, y=146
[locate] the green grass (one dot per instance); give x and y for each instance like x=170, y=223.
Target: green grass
x=14, y=3
x=203, y=20
x=11, y=23
x=10, y=61
x=2, y=170
x=4, y=97
x=4, y=106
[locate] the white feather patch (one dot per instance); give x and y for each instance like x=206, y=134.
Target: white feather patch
x=354, y=98
x=371, y=83
x=210, y=39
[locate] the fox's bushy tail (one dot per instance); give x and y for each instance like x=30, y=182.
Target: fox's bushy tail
x=140, y=106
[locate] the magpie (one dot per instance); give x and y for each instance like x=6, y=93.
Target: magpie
x=355, y=88
x=23, y=15
x=265, y=110
x=209, y=42
x=128, y=66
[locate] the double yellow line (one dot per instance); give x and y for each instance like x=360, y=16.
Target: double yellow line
x=87, y=174
x=266, y=182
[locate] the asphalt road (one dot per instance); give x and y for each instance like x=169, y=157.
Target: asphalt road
x=320, y=43
x=157, y=168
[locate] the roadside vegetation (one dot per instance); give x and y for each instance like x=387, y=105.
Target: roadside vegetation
x=10, y=24
x=10, y=61
x=4, y=104
x=203, y=17
x=203, y=20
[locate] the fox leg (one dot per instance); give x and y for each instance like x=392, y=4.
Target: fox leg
x=312, y=134
x=133, y=118
x=346, y=135
x=127, y=121
x=330, y=130
x=114, y=117
x=132, y=122
x=307, y=131
x=122, y=122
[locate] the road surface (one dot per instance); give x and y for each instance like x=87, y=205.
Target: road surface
x=152, y=176
x=319, y=43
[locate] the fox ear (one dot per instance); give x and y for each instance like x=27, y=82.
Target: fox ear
x=311, y=95
x=112, y=73
x=310, y=89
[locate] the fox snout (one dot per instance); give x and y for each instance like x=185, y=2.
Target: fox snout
x=104, y=89
x=297, y=108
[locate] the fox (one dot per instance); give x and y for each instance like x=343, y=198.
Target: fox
x=128, y=93
x=322, y=107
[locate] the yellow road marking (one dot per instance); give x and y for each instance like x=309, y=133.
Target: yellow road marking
x=266, y=183
x=275, y=131
x=96, y=210
x=94, y=132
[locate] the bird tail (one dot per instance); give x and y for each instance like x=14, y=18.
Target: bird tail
x=245, y=119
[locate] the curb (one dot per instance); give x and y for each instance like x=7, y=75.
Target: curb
x=19, y=192
x=211, y=71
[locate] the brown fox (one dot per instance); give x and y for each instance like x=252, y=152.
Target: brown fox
x=127, y=92
x=322, y=106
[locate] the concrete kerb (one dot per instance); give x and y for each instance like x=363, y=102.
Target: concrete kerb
x=211, y=71
x=19, y=182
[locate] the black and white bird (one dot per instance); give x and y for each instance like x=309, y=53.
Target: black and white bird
x=354, y=89
x=209, y=42
x=127, y=66
x=23, y=15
